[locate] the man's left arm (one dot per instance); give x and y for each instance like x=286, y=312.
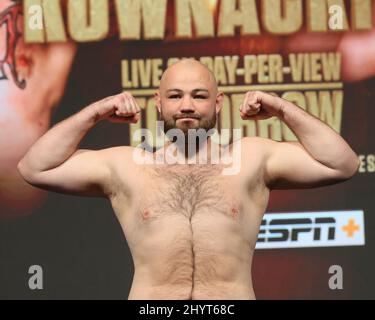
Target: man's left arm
x=320, y=157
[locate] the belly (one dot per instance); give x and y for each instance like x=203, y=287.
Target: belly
x=205, y=257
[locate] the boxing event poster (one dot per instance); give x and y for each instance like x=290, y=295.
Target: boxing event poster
x=58, y=56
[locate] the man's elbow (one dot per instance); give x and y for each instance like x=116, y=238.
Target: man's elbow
x=350, y=169
x=21, y=169
x=26, y=172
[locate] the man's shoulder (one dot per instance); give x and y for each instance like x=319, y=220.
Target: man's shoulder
x=254, y=141
x=259, y=146
x=118, y=154
x=118, y=151
x=131, y=156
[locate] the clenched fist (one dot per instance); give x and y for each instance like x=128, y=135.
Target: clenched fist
x=120, y=108
x=259, y=105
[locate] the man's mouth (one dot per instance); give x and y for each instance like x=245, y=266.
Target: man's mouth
x=187, y=117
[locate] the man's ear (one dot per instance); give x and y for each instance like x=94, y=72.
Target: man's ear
x=219, y=101
x=157, y=99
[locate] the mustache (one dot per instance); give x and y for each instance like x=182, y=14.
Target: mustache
x=186, y=115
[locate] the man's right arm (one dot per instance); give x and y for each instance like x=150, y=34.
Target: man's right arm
x=54, y=163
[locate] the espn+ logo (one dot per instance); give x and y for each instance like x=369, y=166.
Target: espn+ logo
x=311, y=229
x=299, y=226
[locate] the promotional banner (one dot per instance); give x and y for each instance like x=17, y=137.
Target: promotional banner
x=59, y=56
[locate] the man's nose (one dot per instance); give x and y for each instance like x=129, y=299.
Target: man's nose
x=187, y=105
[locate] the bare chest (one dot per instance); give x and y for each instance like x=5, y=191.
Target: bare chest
x=188, y=192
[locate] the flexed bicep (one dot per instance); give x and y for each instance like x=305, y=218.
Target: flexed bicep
x=288, y=165
x=85, y=173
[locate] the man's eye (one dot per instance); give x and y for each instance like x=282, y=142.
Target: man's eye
x=200, y=97
x=175, y=96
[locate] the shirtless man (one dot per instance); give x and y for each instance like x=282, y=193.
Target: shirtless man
x=191, y=230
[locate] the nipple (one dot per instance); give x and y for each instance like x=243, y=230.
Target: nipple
x=146, y=214
x=234, y=212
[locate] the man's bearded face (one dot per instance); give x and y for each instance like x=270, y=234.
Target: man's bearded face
x=188, y=120
x=188, y=97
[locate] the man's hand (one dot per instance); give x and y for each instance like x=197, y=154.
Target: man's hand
x=120, y=108
x=259, y=105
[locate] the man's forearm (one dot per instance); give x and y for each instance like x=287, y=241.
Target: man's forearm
x=322, y=142
x=59, y=143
